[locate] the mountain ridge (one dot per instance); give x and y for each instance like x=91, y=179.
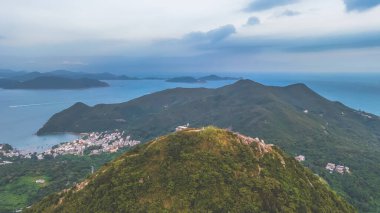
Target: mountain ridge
x=206, y=169
x=295, y=118
x=52, y=82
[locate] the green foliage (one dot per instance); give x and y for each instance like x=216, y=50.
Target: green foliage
x=52, y=82
x=18, y=188
x=199, y=171
x=329, y=132
x=7, y=147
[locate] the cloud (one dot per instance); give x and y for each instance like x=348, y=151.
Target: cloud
x=326, y=43
x=260, y=5
x=211, y=36
x=253, y=21
x=360, y=5
x=289, y=13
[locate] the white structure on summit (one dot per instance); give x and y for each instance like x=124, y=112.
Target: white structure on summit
x=180, y=128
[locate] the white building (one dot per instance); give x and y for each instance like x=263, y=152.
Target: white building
x=330, y=167
x=339, y=169
x=300, y=158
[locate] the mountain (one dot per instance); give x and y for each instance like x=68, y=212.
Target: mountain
x=98, y=76
x=293, y=117
x=5, y=73
x=185, y=79
x=188, y=79
x=198, y=170
x=52, y=82
x=8, y=83
x=72, y=75
x=216, y=78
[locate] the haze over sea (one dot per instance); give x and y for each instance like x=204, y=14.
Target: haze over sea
x=23, y=112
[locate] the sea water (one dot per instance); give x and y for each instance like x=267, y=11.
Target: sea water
x=23, y=112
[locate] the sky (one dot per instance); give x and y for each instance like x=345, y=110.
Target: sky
x=147, y=36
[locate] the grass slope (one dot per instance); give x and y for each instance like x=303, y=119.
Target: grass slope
x=18, y=188
x=329, y=132
x=197, y=170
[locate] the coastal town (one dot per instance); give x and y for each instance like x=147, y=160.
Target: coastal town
x=93, y=143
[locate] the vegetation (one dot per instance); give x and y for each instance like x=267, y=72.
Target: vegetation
x=210, y=170
x=6, y=147
x=18, y=187
x=293, y=117
x=26, y=76
x=52, y=82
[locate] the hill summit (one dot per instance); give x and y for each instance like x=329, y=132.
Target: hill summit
x=199, y=170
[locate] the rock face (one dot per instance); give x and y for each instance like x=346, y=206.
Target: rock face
x=199, y=170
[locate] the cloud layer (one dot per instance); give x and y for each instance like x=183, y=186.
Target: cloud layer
x=260, y=5
x=186, y=35
x=361, y=5
x=253, y=21
x=212, y=36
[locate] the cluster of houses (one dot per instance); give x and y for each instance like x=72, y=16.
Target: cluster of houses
x=337, y=168
x=95, y=142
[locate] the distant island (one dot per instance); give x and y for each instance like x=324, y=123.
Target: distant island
x=7, y=75
x=185, y=79
x=52, y=82
x=188, y=79
x=25, y=76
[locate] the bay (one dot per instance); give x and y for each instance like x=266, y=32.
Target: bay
x=23, y=112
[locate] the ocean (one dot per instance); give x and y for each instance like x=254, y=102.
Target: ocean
x=23, y=112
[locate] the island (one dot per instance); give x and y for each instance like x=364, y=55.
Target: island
x=25, y=76
x=185, y=79
x=52, y=82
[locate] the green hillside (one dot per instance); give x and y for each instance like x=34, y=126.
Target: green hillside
x=199, y=170
x=327, y=132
